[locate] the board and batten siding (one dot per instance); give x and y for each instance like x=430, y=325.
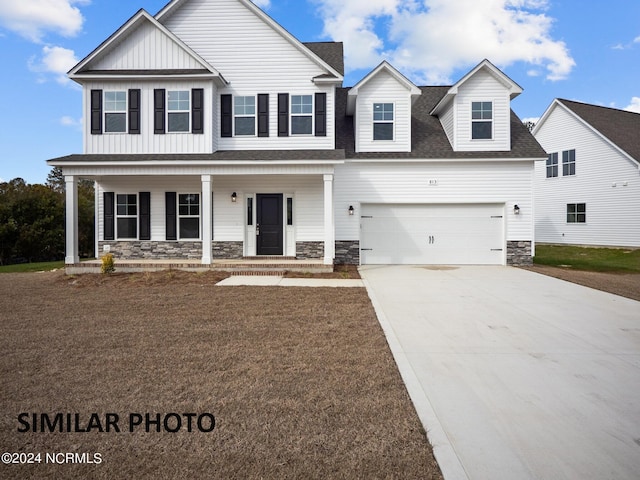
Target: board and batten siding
x=605, y=180
x=229, y=218
x=147, y=141
x=147, y=48
x=482, y=87
x=506, y=183
x=383, y=88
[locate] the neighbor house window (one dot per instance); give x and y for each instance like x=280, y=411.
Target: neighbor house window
x=245, y=115
x=569, y=162
x=481, y=120
x=301, y=114
x=576, y=213
x=552, y=165
x=189, y=215
x=127, y=215
x=178, y=110
x=115, y=112
x=383, y=121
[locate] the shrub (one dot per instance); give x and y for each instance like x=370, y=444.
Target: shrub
x=108, y=264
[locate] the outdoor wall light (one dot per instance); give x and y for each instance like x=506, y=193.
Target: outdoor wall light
x=234, y=197
x=516, y=210
x=351, y=210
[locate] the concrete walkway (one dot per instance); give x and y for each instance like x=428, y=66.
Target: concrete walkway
x=274, y=280
x=515, y=375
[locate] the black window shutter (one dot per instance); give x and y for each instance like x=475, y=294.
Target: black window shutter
x=145, y=215
x=283, y=114
x=321, y=114
x=226, y=115
x=96, y=112
x=134, y=111
x=109, y=218
x=263, y=114
x=159, y=96
x=171, y=218
x=197, y=110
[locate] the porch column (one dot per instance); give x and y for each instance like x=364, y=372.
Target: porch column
x=329, y=233
x=206, y=220
x=71, y=220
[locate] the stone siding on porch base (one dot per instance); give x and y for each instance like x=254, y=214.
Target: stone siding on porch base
x=347, y=252
x=307, y=250
x=519, y=253
x=152, y=250
x=228, y=250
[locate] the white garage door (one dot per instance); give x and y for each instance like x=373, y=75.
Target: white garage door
x=469, y=234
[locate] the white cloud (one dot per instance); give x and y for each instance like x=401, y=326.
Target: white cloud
x=54, y=60
x=262, y=3
x=429, y=39
x=33, y=18
x=67, y=121
x=634, y=106
x=636, y=40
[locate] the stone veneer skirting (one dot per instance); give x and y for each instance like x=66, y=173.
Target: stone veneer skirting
x=152, y=250
x=519, y=253
x=228, y=249
x=306, y=250
x=347, y=252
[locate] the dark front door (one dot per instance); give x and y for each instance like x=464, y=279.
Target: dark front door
x=269, y=224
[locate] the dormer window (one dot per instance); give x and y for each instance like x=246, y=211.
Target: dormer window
x=383, y=121
x=481, y=120
x=115, y=112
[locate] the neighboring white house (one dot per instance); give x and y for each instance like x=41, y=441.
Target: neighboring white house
x=212, y=133
x=588, y=191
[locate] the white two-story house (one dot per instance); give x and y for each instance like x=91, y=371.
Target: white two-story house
x=212, y=133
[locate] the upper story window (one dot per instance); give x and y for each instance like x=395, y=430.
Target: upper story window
x=301, y=114
x=576, y=213
x=481, y=120
x=178, y=110
x=245, y=115
x=552, y=165
x=383, y=119
x=568, y=162
x=189, y=215
x=115, y=112
x=127, y=215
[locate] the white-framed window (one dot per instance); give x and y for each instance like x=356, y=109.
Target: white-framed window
x=383, y=121
x=127, y=215
x=481, y=120
x=115, y=111
x=188, y=215
x=244, y=111
x=552, y=165
x=301, y=114
x=576, y=213
x=179, y=110
x=568, y=162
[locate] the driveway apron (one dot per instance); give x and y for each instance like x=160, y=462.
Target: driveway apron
x=515, y=375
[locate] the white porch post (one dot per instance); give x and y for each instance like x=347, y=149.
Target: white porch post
x=206, y=220
x=71, y=220
x=329, y=232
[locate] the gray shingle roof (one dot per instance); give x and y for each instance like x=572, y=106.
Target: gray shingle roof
x=619, y=126
x=330, y=52
x=428, y=138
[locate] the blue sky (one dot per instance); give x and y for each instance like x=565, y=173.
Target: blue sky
x=585, y=51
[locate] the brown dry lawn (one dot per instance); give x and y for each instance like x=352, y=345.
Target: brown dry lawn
x=300, y=380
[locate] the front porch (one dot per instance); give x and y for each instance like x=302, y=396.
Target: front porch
x=242, y=266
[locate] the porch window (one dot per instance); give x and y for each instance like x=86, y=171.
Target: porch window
x=568, y=162
x=576, y=213
x=245, y=115
x=552, y=165
x=383, y=121
x=481, y=120
x=301, y=114
x=127, y=215
x=115, y=112
x=189, y=215
x=179, y=110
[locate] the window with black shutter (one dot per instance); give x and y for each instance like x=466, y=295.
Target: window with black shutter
x=283, y=114
x=226, y=115
x=321, y=115
x=134, y=111
x=159, y=111
x=145, y=215
x=109, y=217
x=96, y=112
x=170, y=215
x=197, y=110
x=263, y=115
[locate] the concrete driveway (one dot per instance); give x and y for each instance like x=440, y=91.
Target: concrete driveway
x=515, y=375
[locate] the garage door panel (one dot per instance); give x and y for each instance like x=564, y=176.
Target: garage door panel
x=432, y=234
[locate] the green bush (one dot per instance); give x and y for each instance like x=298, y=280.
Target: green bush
x=108, y=264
